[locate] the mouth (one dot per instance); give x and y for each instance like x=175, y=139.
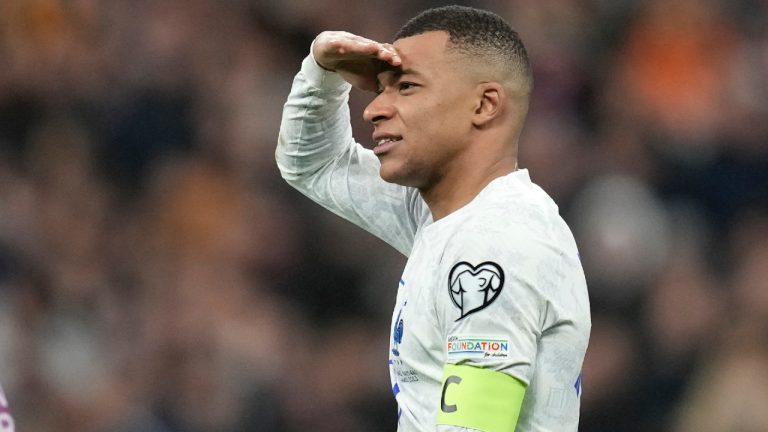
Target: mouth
x=384, y=143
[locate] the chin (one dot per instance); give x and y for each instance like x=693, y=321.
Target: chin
x=392, y=173
x=388, y=175
x=400, y=177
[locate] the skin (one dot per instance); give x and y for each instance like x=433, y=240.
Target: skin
x=457, y=124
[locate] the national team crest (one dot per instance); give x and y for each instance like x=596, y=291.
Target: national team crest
x=473, y=288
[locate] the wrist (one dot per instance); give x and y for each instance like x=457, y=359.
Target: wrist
x=320, y=78
x=321, y=65
x=314, y=58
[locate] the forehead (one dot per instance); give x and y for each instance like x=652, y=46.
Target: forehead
x=422, y=47
x=422, y=53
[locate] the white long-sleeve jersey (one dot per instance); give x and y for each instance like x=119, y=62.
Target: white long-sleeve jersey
x=496, y=284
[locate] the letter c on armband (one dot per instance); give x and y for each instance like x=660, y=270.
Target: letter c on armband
x=453, y=379
x=481, y=399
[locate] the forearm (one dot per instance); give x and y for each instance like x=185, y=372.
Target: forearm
x=315, y=127
x=317, y=155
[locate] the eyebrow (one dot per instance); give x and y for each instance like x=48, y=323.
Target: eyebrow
x=397, y=73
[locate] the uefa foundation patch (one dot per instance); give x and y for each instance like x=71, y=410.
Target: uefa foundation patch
x=477, y=347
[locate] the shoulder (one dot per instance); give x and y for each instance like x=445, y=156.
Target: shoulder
x=521, y=232
x=512, y=218
x=503, y=223
x=514, y=201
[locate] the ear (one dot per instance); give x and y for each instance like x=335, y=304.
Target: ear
x=490, y=103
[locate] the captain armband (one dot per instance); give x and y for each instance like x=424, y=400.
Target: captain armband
x=480, y=399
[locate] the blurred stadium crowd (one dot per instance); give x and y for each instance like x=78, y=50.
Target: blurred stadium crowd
x=156, y=274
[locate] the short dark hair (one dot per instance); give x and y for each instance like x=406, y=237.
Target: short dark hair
x=474, y=32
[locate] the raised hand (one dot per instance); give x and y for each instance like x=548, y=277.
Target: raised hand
x=358, y=60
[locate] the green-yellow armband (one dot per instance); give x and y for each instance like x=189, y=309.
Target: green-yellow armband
x=480, y=399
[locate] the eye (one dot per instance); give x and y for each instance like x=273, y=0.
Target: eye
x=405, y=86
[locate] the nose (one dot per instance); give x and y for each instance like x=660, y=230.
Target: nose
x=379, y=109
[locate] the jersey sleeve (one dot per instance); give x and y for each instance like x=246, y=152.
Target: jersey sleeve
x=317, y=155
x=490, y=308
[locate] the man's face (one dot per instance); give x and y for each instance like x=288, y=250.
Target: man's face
x=423, y=115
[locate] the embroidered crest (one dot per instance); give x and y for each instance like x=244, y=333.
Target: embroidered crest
x=473, y=288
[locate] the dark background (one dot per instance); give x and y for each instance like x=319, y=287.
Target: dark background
x=157, y=275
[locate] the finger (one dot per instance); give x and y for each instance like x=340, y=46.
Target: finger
x=388, y=53
x=344, y=38
x=362, y=39
x=359, y=47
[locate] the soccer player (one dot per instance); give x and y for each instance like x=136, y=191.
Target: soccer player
x=492, y=320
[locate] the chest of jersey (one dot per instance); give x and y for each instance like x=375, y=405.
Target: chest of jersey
x=417, y=355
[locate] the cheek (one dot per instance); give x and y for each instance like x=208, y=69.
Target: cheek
x=434, y=120
x=434, y=126
x=452, y=113
x=448, y=126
